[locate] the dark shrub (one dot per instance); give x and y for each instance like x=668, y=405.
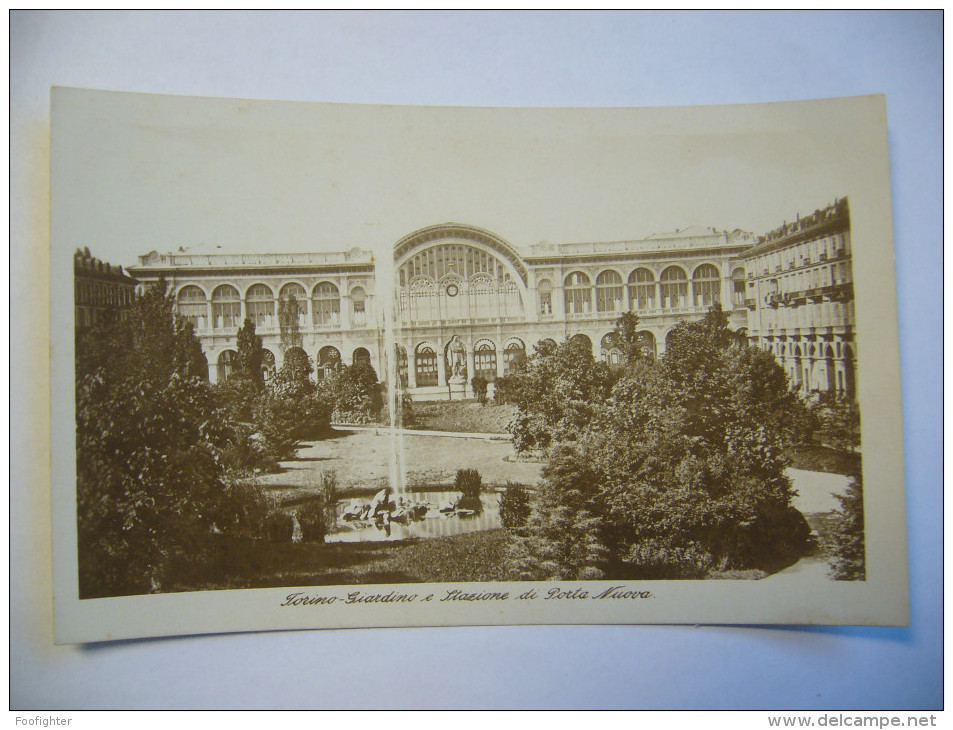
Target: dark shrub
x=329, y=498
x=355, y=393
x=280, y=526
x=469, y=483
x=514, y=506
x=246, y=453
x=242, y=510
x=479, y=388
x=500, y=392
x=312, y=518
x=405, y=411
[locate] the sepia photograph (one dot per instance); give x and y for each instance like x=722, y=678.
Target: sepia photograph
x=437, y=365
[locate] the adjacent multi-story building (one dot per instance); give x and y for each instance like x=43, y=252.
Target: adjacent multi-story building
x=100, y=290
x=459, y=285
x=800, y=297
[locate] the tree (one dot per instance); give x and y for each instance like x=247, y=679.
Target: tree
x=289, y=314
x=515, y=506
x=354, y=392
x=564, y=539
x=294, y=376
x=626, y=337
x=557, y=394
x=150, y=482
x=292, y=408
x=250, y=356
x=681, y=472
x=844, y=541
x=239, y=393
x=838, y=420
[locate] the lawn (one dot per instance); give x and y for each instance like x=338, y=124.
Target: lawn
x=362, y=463
x=471, y=557
x=816, y=457
x=466, y=416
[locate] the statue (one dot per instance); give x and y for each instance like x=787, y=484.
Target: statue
x=457, y=360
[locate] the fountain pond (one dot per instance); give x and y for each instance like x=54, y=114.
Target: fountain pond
x=413, y=515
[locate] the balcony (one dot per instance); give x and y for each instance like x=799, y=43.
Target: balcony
x=831, y=292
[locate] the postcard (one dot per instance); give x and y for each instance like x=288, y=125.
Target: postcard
x=324, y=365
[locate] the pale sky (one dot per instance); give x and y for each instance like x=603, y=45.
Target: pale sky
x=133, y=173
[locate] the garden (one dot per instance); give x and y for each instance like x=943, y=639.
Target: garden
x=659, y=469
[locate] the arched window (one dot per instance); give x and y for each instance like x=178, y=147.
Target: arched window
x=226, y=307
x=326, y=304
x=850, y=373
x=609, y=292
x=706, y=286
x=458, y=260
x=513, y=355
x=798, y=373
x=647, y=344
x=192, y=306
x=425, y=365
x=260, y=305
x=642, y=289
x=361, y=355
x=296, y=293
x=610, y=350
x=484, y=360
x=358, y=304
x=578, y=293
x=226, y=365
x=830, y=370
x=329, y=359
x=545, y=291
x=738, y=287
x=674, y=287
x=267, y=364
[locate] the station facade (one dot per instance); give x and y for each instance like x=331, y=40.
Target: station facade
x=463, y=284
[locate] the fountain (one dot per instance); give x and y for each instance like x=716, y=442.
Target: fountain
x=413, y=515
